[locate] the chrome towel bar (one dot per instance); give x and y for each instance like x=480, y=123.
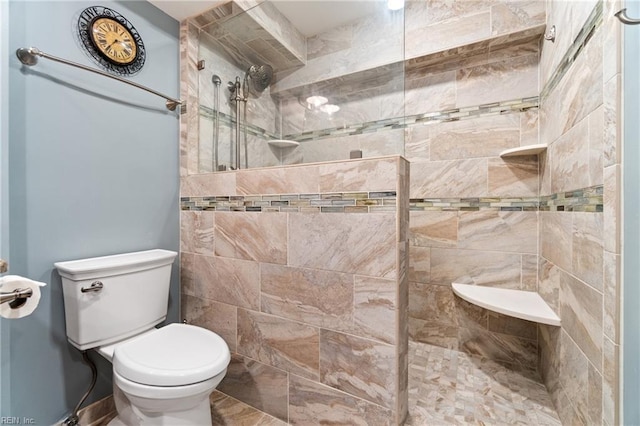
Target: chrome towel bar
x=29, y=56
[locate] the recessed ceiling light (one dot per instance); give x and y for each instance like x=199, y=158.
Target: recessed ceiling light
x=329, y=108
x=316, y=101
x=395, y=4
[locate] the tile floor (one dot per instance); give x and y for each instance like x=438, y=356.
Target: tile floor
x=446, y=387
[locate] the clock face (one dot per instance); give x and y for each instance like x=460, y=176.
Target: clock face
x=111, y=41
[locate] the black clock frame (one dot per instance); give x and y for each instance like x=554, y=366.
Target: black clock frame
x=85, y=22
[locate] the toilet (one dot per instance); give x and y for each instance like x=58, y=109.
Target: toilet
x=161, y=376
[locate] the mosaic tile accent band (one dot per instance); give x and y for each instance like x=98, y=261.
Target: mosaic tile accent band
x=455, y=114
x=582, y=200
x=591, y=25
x=346, y=202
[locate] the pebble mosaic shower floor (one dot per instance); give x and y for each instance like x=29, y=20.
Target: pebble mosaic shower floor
x=446, y=387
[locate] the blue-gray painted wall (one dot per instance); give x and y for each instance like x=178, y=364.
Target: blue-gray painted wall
x=631, y=246
x=93, y=170
x=4, y=190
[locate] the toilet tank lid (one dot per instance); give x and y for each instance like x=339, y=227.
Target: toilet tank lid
x=173, y=355
x=103, y=266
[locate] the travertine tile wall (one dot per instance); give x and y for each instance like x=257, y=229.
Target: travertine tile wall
x=579, y=270
x=312, y=304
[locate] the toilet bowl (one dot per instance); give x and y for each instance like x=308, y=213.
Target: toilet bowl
x=165, y=377
x=161, y=376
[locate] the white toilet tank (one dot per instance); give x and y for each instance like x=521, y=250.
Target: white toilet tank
x=110, y=298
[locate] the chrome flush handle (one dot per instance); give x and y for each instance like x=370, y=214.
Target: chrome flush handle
x=95, y=286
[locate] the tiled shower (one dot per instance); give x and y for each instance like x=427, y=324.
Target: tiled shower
x=330, y=278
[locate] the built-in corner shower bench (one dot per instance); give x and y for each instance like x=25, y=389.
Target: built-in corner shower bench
x=526, y=305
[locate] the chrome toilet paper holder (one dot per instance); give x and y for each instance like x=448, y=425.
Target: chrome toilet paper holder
x=15, y=298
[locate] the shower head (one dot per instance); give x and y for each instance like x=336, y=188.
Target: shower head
x=257, y=78
x=215, y=79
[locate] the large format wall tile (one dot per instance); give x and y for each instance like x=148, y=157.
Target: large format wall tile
x=284, y=344
x=419, y=264
x=279, y=180
x=447, y=179
x=549, y=283
x=217, y=317
x=581, y=315
x=500, y=347
x=509, y=16
x=207, y=184
x=361, y=367
x=196, y=234
x=494, y=269
x=578, y=93
x=612, y=299
x=259, y=385
x=445, y=336
x=433, y=303
x=504, y=324
x=513, y=232
x=312, y=296
x=375, y=308
x=231, y=281
x=556, y=236
x=252, y=236
x=474, y=138
x=570, y=160
x=513, y=177
x=587, y=260
x=446, y=33
x=374, y=175
x=314, y=403
x=612, y=208
x=364, y=244
x=487, y=82
x=433, y=229
x=574, y=375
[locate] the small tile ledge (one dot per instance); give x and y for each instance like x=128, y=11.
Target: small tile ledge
x=524, y=150
x=527, y=305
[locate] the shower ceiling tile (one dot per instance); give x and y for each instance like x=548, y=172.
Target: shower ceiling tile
x=254, y=35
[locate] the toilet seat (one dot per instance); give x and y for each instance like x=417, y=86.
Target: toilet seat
x=174, y=355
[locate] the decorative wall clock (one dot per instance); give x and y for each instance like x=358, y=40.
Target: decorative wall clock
x=111, y=40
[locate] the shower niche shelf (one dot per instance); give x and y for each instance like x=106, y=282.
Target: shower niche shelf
x=283, y=143
x=526, y=305
x=524, y=150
